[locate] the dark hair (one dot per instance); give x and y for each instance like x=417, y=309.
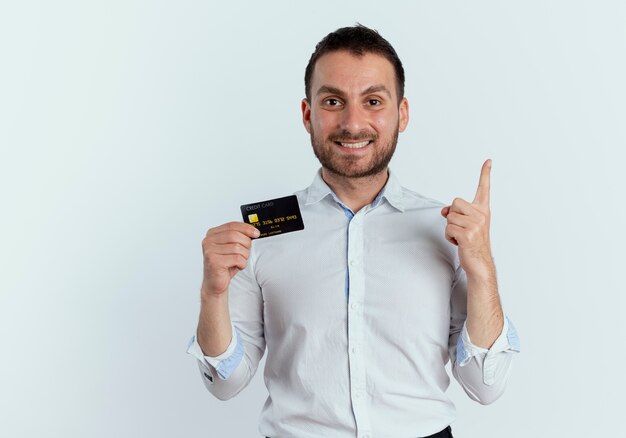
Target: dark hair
x=357, y=40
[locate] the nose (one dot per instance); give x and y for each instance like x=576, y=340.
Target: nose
x=353, y=119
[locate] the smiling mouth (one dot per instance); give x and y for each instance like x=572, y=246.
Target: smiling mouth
x=358, y=145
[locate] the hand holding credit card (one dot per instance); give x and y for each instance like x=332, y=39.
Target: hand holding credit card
x=274, y=216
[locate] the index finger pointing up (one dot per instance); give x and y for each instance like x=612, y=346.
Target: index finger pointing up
x=482, y=193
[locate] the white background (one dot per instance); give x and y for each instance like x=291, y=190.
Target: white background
x=128, y=128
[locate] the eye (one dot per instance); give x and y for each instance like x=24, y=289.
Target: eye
x=374, y=102
x=331, y=102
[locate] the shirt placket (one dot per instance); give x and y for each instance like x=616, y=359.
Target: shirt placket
x=356, y=324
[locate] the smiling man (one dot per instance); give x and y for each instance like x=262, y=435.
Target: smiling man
x=361, y=310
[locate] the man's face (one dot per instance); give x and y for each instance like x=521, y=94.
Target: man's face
x=354, y=115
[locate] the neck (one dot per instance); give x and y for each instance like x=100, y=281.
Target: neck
x=356, y=193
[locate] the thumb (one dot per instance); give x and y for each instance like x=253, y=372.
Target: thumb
x=445, y=211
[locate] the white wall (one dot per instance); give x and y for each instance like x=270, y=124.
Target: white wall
x=128, y=128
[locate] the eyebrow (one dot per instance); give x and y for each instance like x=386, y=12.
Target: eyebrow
x=369, y=90
x=377, y=89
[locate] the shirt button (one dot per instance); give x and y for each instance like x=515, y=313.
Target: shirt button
x=354, y=350
x=354, y=306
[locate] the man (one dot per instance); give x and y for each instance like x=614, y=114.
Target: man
x=362, y=309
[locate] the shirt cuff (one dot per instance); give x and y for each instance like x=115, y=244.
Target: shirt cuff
x=508, y=341
x=224, y=363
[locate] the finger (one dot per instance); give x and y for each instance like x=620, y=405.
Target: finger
x=451, y=231
x=247, y=229
x=220, y=262
x=216, y=263
x=461, y=206
x=445, y=211
x=233, y=271
x=452, y=240
x=230, y=237
x=482, y=192
x=230, y=249
x=460, y=220
x=235, y=261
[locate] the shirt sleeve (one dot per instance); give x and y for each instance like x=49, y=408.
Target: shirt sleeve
x=507, y=342
x=238, y=364
x=481, y=372
x=224, y=364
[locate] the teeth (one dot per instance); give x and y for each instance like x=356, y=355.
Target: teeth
x=355, y=145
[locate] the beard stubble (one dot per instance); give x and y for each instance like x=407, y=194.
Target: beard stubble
x=346, y=165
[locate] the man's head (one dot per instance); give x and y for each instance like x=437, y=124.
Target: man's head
x=357, y=40
x=354, y=107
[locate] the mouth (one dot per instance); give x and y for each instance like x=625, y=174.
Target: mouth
x=353, y=145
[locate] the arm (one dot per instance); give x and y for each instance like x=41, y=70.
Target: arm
x=214, y=326
x=481, y=372
x=468, y=228
x=476, y=287
x=219, y=346
x=485, y=319
x=226, y=250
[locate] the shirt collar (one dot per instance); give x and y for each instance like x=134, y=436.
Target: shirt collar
x=392, y=192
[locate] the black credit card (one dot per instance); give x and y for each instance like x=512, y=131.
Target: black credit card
x=275, y=216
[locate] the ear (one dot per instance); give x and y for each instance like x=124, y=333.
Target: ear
x=306, y=114
x=404, y=114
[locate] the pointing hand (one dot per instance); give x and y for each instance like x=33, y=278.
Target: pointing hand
x=468, y=226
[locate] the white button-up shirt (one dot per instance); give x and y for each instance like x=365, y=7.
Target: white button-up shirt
x=360, y=312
